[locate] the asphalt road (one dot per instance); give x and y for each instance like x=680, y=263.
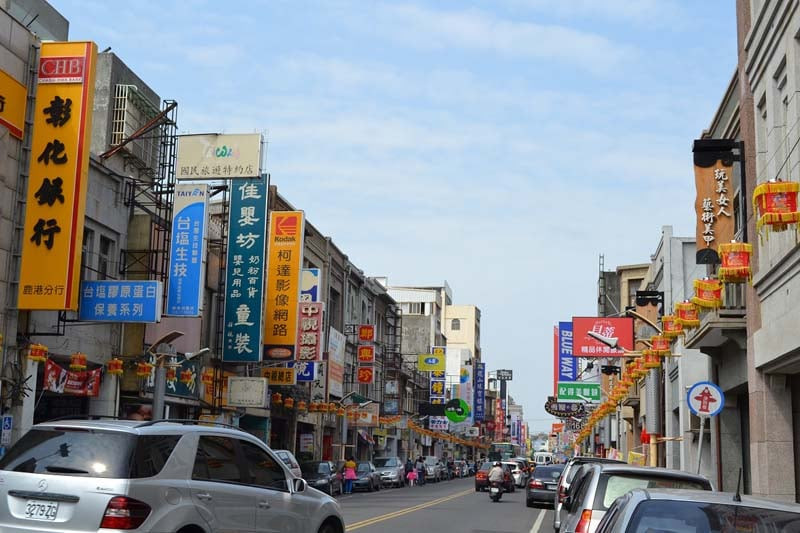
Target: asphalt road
x=442, y=507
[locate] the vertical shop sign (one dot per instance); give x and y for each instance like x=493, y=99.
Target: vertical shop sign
x=366, y=375
x=13, y=104
x=713, y=174
x=244, y=276
x=187, y=257
x=480, y=392
x=366, y=333
x=465, y=391
x=285, y=260
x=58, y=176
x=309, y=331
x=336, y=347
x=309, y=284
x=567, y=370
x=366, y=353
x=437, y=387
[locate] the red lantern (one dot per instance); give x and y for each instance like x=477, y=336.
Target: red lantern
x=671, y=326
x=323, y=407
x=187, y=377
x=638, y=368
x=659, y=345
x=301, y=405
x=172, y=374
x=313, y=408
x=332, y=407
x=340, y=411
x=776, y=202
x=143, y=370
x=707, y=293
x=735, y=257
x=277, y=399
x=114, y=367
x=651, y=359
x=688, y=314
x=288, y=403
x=37, y=353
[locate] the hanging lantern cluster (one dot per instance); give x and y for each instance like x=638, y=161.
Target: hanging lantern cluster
x=707, y=293
x=143, y=370
x=187, y=377
x=37, y=353
x=735, y=257
x=77, y=362
x=687, y=314
x=114, y=367
x=671, y=326
x=776, y=204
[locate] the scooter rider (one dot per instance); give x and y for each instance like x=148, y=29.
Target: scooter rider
x=496, y=474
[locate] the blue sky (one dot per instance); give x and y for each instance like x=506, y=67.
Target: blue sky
x=500, y=145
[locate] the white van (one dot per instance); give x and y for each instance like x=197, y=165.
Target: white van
x=542, y=458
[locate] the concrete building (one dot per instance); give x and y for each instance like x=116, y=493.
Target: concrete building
x=462, y=328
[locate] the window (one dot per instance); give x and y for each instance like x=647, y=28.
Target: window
x=261, y=468
x=413, y=308
x=216, y=460
x=151, y=454
x=104, y=258
x=87, y=272
x=455, y=324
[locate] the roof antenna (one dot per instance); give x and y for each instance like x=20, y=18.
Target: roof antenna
x=738, y=496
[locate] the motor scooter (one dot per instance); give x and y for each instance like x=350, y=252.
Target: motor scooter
x=495, y=491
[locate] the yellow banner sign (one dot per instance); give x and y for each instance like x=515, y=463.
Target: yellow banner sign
x=428, y=362
x=59, y=172
x=279, y=375
x=285, y=260
x=13, y=103
x=635, y=458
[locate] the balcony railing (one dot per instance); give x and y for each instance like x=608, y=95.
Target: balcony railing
x=717, y=326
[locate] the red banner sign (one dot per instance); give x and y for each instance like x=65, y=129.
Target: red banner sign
x=366, y=375
x=366, y=353
x=601, y=336
x=63, y=381
x=309, y=331
x=366, y=333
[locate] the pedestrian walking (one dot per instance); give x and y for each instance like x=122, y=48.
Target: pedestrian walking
x=349, y=475
x=409, y=468
x=420, y=466
x=411, y=477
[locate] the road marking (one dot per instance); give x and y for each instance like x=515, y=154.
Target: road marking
x=401, y=512
x=538, y=523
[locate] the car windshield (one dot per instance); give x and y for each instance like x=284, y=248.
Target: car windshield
x=487, y=466
x=310, y=469
x=431, y=461
x=612, y=486
x=701, y=517
x=386, y=461
x=362, y=468
x=90, y=453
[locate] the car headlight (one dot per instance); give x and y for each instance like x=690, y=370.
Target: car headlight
x=320, y=481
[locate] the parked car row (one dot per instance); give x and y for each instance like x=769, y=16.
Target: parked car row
x=592, y=495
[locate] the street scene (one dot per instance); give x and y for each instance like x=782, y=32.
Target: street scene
x=400, y=265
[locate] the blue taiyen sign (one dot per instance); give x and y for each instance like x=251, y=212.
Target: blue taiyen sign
x=244, y=277
x=120, y=301
x=567, y=369
x=187, y=250
x=480, y=392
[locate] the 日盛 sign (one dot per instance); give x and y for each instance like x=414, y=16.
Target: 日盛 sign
x=57, y=177
x=244, y=275
x=285, y=260
x=601, y=336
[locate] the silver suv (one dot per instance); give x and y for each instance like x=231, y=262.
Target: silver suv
x=165, y=476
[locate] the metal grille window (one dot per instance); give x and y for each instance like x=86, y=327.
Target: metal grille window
x=131, y=112
x=104, y=262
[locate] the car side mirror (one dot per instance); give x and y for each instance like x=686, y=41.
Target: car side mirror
x=299, y=484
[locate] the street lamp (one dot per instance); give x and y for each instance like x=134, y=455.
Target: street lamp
x=160, y=383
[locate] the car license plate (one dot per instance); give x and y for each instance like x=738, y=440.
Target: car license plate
x=550, y=486
x=41, y=510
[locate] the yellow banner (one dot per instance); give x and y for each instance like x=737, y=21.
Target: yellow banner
x=282, y=294
x=13, y=103
x=279, y=375
x=635, y=458
x=59, y=172
x=428, y=362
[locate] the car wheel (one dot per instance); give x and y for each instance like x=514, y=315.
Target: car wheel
x=529, y=503
x=327, y=528
x=477, y=488
x=371, y=487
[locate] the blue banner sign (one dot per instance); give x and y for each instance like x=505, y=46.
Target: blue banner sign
x=120, y=301
x=567, y=367
x=306, y=371
x=480, y=392
x=244, y=277
x=187, y=250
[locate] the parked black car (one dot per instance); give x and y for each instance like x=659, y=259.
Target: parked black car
x=368, y=477
x=543, y=484
x=322, y=475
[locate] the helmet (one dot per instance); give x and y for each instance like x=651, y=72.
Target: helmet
x=497, y=463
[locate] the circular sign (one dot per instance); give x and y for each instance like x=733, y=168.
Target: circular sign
x=456, y=410
x=431, y=360
x=705, y=399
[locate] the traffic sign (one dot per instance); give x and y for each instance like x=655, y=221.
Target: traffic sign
x=705, y=399
x=5, y=436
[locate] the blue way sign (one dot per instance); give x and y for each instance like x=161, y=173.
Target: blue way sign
x=705, y=399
